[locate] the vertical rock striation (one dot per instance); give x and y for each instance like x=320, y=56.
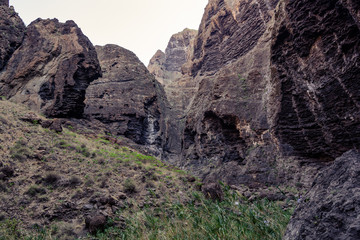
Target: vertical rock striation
x=128, y=99
x=315, y=60
x=52, y=69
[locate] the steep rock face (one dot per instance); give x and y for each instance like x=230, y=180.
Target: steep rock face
x=331, y=209
x=226, y=131
x=52, y=69
x=12, y=32
x=127, y=98
x=315, y=60
x=172, y=70
x=167, y=67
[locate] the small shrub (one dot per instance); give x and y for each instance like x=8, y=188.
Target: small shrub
x=74, y=181
x=51, y=179
x=129, y=186
x=35, y=190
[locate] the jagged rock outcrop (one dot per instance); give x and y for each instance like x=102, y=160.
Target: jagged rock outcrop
x=315, y=61
x=12, y=32
x=52, y=69
x=128, y=99
x=331, y=209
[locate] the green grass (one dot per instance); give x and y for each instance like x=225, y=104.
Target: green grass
x=205, y=219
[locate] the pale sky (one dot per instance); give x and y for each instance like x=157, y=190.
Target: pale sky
x=142, y=26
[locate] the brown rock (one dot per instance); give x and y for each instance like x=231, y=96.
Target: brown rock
x=52, y=69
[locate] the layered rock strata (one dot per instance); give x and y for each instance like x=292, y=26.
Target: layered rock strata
x=128, y=99
x=51, y=69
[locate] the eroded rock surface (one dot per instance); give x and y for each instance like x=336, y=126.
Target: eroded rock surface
x=52, y=69
x=331, y=209
x=12, y=31
x=128, y=99
x=315, y=59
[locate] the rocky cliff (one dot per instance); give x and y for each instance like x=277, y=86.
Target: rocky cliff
x=127, y=98
x=227, y=133
x=315, y=62
x=12, y=32
x=51, y=69
x=276, y=90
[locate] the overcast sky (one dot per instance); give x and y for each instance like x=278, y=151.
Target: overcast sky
x=142, y=26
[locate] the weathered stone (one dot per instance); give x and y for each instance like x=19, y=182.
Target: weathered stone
x=52, y=69
x=12, y=32
x=331, y=209
x=128, y=99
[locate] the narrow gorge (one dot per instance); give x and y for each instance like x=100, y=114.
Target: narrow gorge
x=264, y=96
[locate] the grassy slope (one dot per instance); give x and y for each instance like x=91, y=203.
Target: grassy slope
x=61, y=178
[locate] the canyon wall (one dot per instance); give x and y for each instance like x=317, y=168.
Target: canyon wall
x=275, y=90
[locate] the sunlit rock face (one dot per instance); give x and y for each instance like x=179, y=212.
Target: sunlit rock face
x=51, y=69
x=127, y=98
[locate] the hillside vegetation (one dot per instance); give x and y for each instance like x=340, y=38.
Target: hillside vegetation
x=52, y=181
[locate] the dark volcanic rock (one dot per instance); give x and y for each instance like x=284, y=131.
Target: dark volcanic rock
x=127, y=98
x=331, y=209
x=12, y=31
x=315, y=60
x=52, y=69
